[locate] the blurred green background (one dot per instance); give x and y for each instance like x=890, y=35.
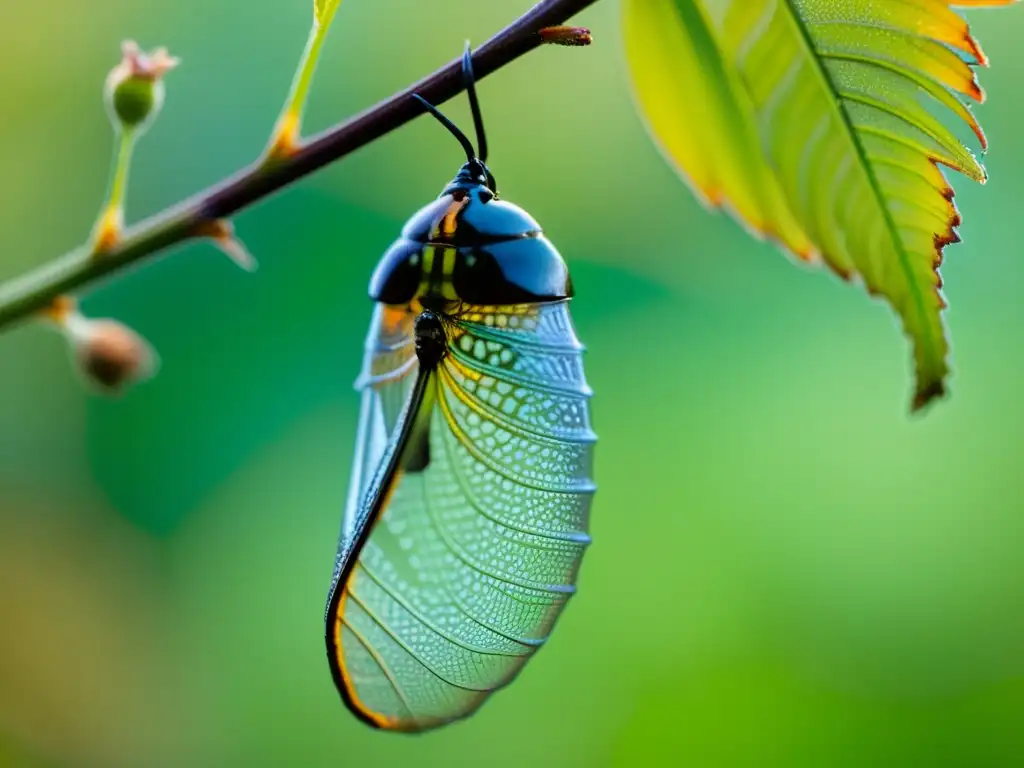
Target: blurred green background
x=786, y=570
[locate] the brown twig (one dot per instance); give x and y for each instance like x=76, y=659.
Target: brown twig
x=23, y=297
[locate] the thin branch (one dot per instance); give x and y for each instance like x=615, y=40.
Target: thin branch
x=25, y=296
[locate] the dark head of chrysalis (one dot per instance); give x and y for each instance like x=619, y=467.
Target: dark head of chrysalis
x=469, y=247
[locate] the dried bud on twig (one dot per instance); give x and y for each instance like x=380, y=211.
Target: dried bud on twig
x=110, y=355
x=134, y=90
x=571, y=36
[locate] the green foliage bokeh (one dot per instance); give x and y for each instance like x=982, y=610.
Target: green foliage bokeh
x=786, y=569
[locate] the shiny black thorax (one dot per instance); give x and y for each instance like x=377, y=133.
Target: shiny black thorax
x=470, y=247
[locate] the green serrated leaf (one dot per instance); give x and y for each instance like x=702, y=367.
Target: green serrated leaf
x=810, y=120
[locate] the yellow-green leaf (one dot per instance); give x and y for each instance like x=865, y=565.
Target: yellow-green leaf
x=323, y=11
x=811, y=121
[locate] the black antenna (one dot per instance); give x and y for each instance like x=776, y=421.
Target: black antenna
x=478, y=119
x=454, y=129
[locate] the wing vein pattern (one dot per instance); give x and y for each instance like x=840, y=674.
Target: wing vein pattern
x=472, y=560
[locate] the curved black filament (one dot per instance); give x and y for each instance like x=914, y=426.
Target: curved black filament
x=474, y=103
x=454, y=129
